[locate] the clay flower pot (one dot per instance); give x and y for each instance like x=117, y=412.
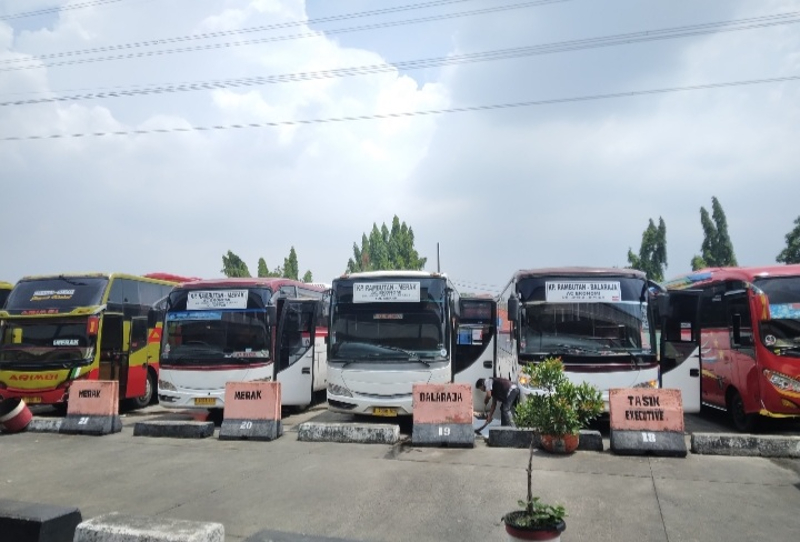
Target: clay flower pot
x=516, y=532
x=560, y=444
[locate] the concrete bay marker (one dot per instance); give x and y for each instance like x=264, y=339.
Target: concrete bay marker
x=116, y=527
x=34, y=522
x=93, y=408
x=252, y=411
x=442, y=415
x=647, y=421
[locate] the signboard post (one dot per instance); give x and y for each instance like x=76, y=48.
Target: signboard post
x=252, y=411
x=647, y=421
x=92, y=408
x=442, y=415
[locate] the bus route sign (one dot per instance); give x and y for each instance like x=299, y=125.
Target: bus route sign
x=383, y=292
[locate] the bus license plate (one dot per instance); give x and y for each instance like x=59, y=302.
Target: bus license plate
x=379, y=411
x=205, y=401
x=32, y=400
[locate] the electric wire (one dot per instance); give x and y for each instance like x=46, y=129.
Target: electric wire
x=501, y=54
x=406, y=114
x=57, y=9
x=274, y=39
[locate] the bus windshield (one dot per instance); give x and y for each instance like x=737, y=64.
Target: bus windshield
x=377, y=332
x=231, y=336
x=782, y=330
x=55, y=294
x=46, y=343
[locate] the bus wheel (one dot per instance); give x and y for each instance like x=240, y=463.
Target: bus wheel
x=744, y=422
x=149, y=390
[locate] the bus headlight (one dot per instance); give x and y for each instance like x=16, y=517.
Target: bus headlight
x=166, y=386
x=648, y=384
x=782, y=382
x=341, y=391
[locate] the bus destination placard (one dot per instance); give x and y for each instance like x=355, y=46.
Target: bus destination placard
x=646, y=420
x=216, y=299
x=562, y=291
x=386, y=292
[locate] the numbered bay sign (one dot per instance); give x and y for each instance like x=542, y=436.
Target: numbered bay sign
x=92, y=408
x=647, y=421
x=252, y=411
x=442, y=415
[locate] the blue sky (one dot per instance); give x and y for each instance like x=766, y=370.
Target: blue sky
x=569, y=183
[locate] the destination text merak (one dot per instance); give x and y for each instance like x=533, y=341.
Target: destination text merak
x=247, y=395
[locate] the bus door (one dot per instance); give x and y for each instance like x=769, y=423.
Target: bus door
x=741, y=356
x=680, y=347
x=295, y=367
x=113, y=357
x=476, y=345
x=138, y=357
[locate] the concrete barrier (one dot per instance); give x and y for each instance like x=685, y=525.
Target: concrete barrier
x=647, y=421
x=45, y=425
x=745, y=445
x=173, y=429
x=33, y=522
x=93, y=408
x=442, y=415
x=252, y=411
x=513, y=437
x=349, y=432
x=117, y=527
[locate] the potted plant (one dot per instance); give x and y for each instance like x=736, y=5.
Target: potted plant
x=557, y=409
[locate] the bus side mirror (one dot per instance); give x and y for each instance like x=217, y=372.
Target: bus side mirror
x=513, y=309
x=663, y=306
x=272, y=315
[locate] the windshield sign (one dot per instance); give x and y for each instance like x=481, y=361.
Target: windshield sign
x=216, y=299
x=386, y=292
x=583, y=292
x=55, y=295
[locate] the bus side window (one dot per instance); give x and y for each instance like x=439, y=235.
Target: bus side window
x=740, y=327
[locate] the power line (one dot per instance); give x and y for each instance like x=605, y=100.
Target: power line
x=405, y=114
x=273, y=39
x=502, y=54
x=47, y=11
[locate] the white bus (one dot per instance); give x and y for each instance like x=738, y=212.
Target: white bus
x=243, y=330
x=392, y=329
x=597, y=320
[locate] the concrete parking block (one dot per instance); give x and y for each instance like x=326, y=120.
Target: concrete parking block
x=745, y=445
x=349, y=432
x=117, y=527
x=34, y=522
x=173, y=429
x=45, y=425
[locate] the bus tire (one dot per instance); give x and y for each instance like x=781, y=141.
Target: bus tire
x=149, y=392
x=742, y=421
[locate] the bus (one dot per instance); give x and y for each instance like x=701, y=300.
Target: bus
x=5, y=289
x=243, y=330
x=597, y=320
x=57, y=329
x=390, y=330
x=737, y=330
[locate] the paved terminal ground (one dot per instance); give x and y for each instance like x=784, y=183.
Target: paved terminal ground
x=374, y=492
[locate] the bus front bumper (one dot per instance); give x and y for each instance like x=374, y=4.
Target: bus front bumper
x=388, y=407
x=183, y=400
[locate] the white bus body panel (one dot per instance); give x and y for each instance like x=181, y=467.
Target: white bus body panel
x=191, y=384
x=686, y=378
x=297, y=379
x=320, y=372
x=483, y=367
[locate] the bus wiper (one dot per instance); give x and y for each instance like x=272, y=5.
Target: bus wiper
x=70, y=281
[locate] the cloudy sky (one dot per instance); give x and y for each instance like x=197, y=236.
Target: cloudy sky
x=567, y=171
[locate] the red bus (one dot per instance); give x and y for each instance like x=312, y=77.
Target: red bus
x=737, y=331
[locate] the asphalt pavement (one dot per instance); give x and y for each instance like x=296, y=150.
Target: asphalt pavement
x=369, y=492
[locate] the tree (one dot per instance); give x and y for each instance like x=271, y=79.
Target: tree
x=307, y=277
x=652, y=257
x=233, y=266
x=791, y=254
x=717, y=248
x=290, y=267
x=386, y=249
x=263, y=270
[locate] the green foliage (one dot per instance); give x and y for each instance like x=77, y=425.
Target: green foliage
x=263, y=270
x=561, y=407
x=233, y=266
x=791, y=254
x=717, y=248
x=290, y=267
x=386, y=249
x=652, y=257
x=536, y=514
x=308, y=277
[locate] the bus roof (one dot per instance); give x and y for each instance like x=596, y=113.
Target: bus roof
x=716, y=274
x=5, y=285
x=249, y=282
x=393, y=274
x=152, y=277
x=579, y=272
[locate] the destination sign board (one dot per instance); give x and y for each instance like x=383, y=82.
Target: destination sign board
x=386, y=292
x=559, y=291
x=216, y=299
